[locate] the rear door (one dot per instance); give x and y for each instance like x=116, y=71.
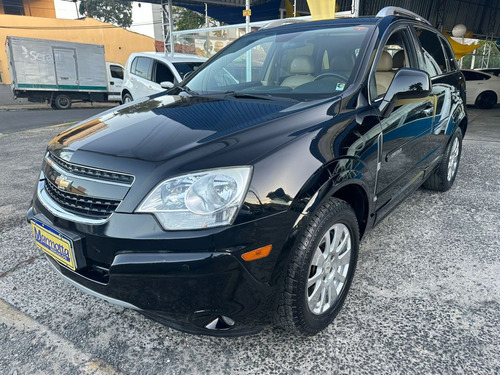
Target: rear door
x=66, y=69
x=140, y=77
x=404, y=143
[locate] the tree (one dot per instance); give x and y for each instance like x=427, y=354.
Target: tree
x=187, y=19
x=116, y=12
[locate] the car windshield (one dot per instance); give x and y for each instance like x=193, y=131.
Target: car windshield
x=300, y=64
x=186, y=67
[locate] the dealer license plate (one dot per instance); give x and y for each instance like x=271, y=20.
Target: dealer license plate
x=54, y=244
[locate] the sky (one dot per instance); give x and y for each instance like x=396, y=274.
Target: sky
x=141, y=15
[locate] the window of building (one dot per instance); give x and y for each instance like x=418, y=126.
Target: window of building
x=15, y=7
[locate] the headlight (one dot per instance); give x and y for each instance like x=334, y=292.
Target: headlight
x=198, y=200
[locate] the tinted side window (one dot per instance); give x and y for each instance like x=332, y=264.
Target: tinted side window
x=163, y=73
x=116, y=71
x=431, y=44
x=474, y=76
x=142, y=67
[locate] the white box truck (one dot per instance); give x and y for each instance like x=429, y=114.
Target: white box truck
x=62, y=72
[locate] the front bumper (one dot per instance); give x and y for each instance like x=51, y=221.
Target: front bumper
x=187, y=280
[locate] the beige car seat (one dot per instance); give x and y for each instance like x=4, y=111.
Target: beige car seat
x=398, y=60
x=302, y=68
x=384, y=73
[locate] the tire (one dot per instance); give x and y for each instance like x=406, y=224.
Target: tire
x=443, y=177
x=127, y=98
x=318, y=276
x=486, y=100
x=62, y=102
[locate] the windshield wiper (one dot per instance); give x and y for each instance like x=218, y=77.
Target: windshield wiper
x=257, y=96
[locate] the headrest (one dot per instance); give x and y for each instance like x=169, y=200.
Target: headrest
x=341, y=63
x=302, y=65
x=398, y=60
x=385, y=62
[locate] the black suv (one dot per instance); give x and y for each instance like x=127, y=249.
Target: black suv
x=241, y=195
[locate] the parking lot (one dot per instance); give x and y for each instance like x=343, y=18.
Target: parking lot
x=425, y=298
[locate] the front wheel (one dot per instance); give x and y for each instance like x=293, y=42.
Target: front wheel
x=443, y=177
x=127, y=98
x=320, y=271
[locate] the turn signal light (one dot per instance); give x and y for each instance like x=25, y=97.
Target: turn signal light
x=261, y=252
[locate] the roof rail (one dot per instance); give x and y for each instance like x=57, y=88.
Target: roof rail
x=286, y=21
x=395, y=11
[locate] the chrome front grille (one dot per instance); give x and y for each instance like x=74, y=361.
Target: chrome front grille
x=81, y=205
x=81, y=192
x=94, y=173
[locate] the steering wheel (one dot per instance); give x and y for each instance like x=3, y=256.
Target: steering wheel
x=335, y=75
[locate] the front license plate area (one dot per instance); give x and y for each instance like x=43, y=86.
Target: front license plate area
x=54, y=244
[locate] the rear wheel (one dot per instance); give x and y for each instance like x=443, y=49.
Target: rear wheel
x=443, y=177
x=320, y=271
x=486, y=100
x=61, y=102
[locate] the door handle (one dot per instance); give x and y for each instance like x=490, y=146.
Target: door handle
x=111, y=83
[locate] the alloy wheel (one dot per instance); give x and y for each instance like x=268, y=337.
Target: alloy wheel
x=328, y=269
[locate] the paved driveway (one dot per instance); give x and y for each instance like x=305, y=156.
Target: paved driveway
x=425, y=298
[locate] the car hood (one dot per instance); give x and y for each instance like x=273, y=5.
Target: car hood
x=165, y=126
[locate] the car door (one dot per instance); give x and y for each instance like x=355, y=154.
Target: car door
x=448, y=84
x=140, y=77
x=115, y=81
x=404, y=145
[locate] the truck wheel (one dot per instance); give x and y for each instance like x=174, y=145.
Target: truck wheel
x=320, y=271
x=443, y=177
x=62, y=102
x=127, y=98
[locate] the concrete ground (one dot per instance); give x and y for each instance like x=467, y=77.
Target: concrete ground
x=425, y=298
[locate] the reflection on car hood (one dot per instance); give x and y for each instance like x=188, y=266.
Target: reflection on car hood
x=162, y=127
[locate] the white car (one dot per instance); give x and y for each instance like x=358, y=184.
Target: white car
x=483, y=89
x=148, y=73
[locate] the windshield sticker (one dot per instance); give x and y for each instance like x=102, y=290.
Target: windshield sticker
x=340, y=87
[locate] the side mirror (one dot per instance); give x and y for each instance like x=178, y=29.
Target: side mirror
x=406, y=84
x=166, y=84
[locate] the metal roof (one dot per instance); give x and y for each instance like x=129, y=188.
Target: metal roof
x=480, y=16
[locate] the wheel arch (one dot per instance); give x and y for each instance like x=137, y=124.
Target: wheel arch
x=356, y=196
x=348, y=179
x=124, y=92
x=489, y=91
x=463, y=125
x=352, y=184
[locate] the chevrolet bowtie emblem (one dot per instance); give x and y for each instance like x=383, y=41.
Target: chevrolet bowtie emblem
x=63, y=183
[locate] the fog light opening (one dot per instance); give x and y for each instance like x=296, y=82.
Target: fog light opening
x=220, y=323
